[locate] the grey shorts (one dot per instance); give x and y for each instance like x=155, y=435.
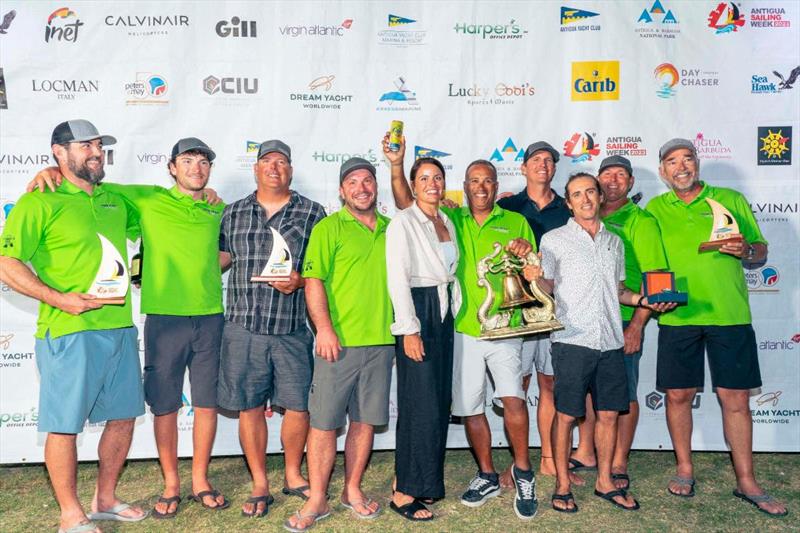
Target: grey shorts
x=171, y=345
x=258, y=369
x=357, y=384
x=536, y=354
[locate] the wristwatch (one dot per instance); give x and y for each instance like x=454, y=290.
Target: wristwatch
x=751, y=253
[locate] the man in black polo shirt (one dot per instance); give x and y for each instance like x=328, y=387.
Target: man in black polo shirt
x=544, y=210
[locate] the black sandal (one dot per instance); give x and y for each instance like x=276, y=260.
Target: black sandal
x=169, y=501
x=622, y=477
x=609, y=496
x=566, y=498
x=255, y=500
x=408, y=510
x=213, y=494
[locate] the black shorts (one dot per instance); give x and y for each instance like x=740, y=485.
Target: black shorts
x=732, y=357
x=171, y=345
x=578, y=370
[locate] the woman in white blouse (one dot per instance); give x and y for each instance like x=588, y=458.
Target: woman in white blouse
x=421, y=259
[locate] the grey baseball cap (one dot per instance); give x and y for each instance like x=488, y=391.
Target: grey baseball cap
x=538, y=146
x=192, y=143
x=673, y=144
x=616, y=161
x=78, y=130
x=355, y=163
x=274, y=145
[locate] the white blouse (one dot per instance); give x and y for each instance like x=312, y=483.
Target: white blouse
x=415, y=258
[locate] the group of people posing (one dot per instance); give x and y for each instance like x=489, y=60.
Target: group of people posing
x=378, y=292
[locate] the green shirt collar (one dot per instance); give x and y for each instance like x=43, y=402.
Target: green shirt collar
x=347, y=216
x=705, y=192
x=183, y=197
x=67, y=187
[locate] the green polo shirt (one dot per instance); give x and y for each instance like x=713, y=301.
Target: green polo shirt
x=57, y=233
x=474, y=243
x=351, y=261
x=641, y=238
x=180, y=272
x=715, y=281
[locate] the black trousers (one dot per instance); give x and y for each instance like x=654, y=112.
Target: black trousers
x=424, y=393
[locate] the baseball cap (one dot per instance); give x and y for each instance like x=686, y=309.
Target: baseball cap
x=274, y=145
x=78, y=130
x=192, y=143
x=673, y=144
x=616, y=161
x=354, y=163
x=540, y=145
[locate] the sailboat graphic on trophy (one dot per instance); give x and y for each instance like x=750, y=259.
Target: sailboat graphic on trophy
x=111, y=283
x=724, y=226
x=279, y=264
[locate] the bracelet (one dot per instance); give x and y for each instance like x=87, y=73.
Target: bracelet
x=639, y=303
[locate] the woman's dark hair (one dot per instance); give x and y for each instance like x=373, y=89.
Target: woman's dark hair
x=425, y=161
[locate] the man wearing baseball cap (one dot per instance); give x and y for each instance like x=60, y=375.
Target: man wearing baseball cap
x=716, y=319
x=86, y=352
x=346, y=262
x=182, y=298
x=641, y=240
x=544, y=210
x=267, y=349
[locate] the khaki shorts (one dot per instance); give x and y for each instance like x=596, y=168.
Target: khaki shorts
x=356, y=385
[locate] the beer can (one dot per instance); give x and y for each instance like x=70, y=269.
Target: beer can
x=395, y=135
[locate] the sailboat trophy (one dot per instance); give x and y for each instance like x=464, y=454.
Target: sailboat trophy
x=724, y=226
x=111, y=283
x=537, y=308
x=279, y=264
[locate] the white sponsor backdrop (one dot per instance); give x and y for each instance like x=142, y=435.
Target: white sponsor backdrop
x=470, y=80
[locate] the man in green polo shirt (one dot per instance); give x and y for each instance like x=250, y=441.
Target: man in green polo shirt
x=716, y=320
x=348, y=301
x=182, y=298
x=478, y=226
x=86, y=351
x=641, y=238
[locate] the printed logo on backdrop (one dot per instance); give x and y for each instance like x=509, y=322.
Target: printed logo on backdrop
x=711, y=148
x=337, y=158
x=317, y=30
x=10, y=355
x=507, y=158
x=147, y=25
x=774, y=345
x=236, y=27
x=152, y=159
x=421, y=151
x=595, y=80
x=655, y=401
x=19, y=419
x=185, y=414
x=63, y=25
x=573, y=19
x=63, y=89
x=402, y=32
x=148, y=88
x=772, y=408
x=319, y=95
x=775, y=145
x=763, y=84
x=657, y=22
x=230, y=90
x=726, y=18
x=23, y=162
x=769, y=17
x=667, y=79
x=765, y=279
x=510, y=30
x=774, y=211
x=627, y=145
x=246, y=160
x=5, y=209
x=3, y=96
x=400, y=99
x=5, y=24
x=501, y=94
x=580, y=147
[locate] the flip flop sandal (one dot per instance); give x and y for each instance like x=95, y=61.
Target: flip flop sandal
x=682, y=481
x=577, y=466
x=168, y=501
x=408, y=510
x=566, y=498
x=364, y=503
x=80, y=528
x=213, y=494
x=316, y=518
x=255, y=500
x=115, y=514
x=755, y=499
x=609, y=496
x=622, y=477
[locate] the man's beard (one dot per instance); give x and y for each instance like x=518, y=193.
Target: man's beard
x=83, y=172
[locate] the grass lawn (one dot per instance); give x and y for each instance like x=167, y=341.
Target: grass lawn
x=28, y=505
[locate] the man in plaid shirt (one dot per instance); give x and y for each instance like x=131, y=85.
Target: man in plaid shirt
x=267, y=349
